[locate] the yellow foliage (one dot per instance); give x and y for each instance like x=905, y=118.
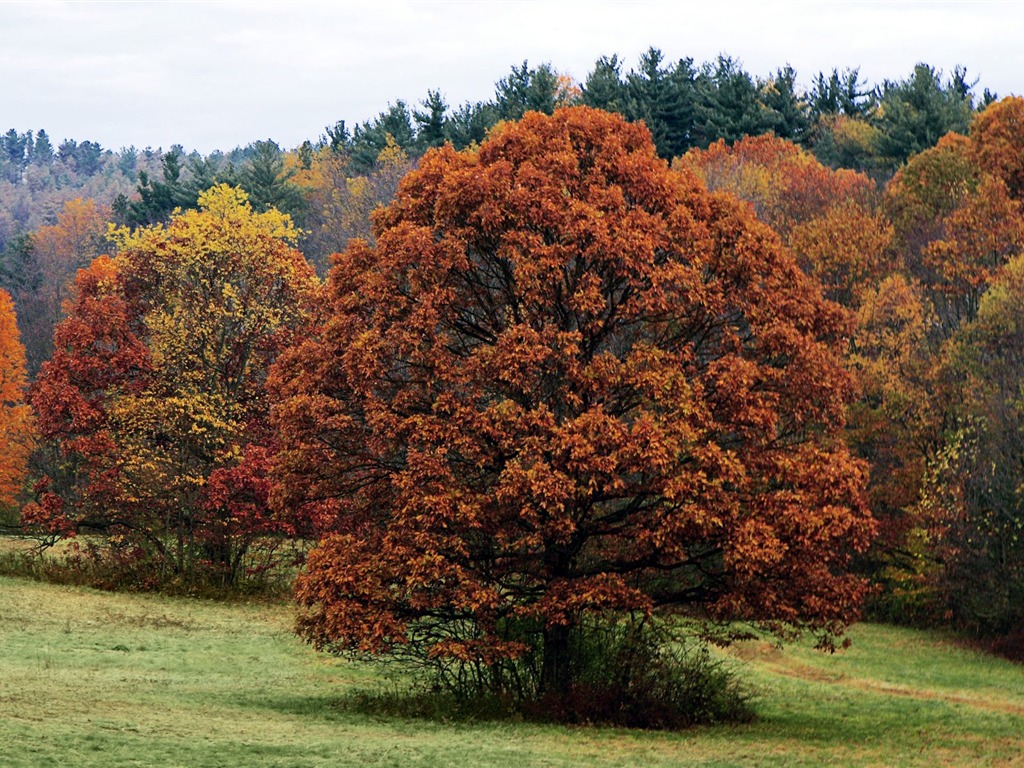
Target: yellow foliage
x=221, y=282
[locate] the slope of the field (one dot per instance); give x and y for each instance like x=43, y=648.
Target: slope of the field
x=96, y=679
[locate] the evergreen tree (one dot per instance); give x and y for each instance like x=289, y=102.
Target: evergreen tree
x=666, y=99
x=14, y=147
x=787, y=111
x=336, y=137
x=731, y=107
x=526, y=90
x=470, y=123
x=269, y=184
x=18, y=270
x=842, y=93
x=306, y=153
x=604, y=87
x=127, y=160
x=42, y=150
x=430, y=122
x=206, y=172
x=14, y=153
x=371, y=137
x=88, y=157
x=157, y=199
x=915, y=113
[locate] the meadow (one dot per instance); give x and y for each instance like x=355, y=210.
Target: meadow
x=90, y=678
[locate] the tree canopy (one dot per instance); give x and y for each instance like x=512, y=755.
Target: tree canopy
x=155, y=393
x=16, y=423
x=566, y=380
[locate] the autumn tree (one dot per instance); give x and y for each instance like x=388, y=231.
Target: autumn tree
x=997, y=143
x=978, y=239
x=340, y=201
x=830, y=219
x=566, y=382
x=155, y=393
x=842, y=141
x=896, y=425
x=16, y=426
x=955, y=226
x=972, y=491
x=930, y=187
x=55, y=253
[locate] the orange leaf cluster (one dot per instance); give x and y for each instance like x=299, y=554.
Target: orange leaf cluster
x=827, y=218
x=17, y=432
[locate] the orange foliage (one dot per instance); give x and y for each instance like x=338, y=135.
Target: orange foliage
x=567, y=380
x=894, y=422
x=844, y=249
x=568, y=92
x=980, y=237
x=826, y=217
x=997, y=143
x=928, y=188
x=58, y=252
x=956, y=225
x=785, y=184
x=16, y=427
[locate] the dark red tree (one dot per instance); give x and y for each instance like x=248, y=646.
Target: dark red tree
x=567, y=381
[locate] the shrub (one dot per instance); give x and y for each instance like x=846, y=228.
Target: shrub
x=637, y=674
x=627, y=671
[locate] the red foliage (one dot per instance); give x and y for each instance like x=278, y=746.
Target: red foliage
x=826, y=217
x=567, y=380
x=155, y=394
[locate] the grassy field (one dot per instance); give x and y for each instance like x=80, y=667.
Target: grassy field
x=96, y=679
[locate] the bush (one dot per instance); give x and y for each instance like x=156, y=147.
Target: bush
x=636, y=674
x=625, y=671
x=268, y=570
x=1011, y=645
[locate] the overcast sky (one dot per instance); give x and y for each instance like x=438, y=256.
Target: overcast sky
x=215, y=75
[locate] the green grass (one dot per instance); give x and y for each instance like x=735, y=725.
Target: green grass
x=97, y=679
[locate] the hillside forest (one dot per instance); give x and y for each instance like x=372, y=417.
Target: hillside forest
x=498, y=379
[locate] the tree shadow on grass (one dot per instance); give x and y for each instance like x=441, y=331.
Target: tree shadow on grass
x=428, y=705
x=383, y=704
x=321, y=706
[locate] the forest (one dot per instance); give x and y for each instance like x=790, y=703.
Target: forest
x=517, y=393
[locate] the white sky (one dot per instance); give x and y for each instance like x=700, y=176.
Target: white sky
x=215, y=75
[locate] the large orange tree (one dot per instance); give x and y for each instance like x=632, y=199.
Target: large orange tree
x=566, y=381
x=16, y=425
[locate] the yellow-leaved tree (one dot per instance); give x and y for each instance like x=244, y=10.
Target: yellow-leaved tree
x=155, y=393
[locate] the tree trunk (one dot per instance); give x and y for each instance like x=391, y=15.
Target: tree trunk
x=556, y=671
